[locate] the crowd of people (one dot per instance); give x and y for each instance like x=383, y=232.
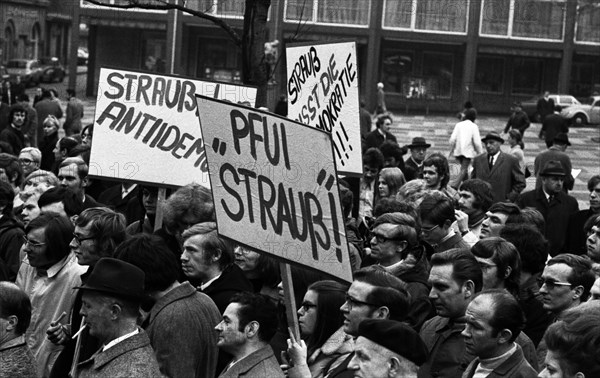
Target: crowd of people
x=452, y=276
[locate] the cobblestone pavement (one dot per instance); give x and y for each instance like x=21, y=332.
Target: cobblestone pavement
x=436, y=129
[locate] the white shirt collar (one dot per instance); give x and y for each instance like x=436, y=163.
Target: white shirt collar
x=207, y=283
x=119, y=339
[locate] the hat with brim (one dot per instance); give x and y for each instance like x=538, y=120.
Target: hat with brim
x=493, y=136
x=561, y=138
x=116, y=278
x=395, y=336
x=419, y=142
x=553, y=168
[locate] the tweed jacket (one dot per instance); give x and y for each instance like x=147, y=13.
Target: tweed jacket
x=505, y=177
x=131, y=358
x=188, y=354
x=516, y=366
x=260, y=364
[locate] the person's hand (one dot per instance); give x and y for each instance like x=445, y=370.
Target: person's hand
x=462, y=220
x=297, y=351
x=57, y=332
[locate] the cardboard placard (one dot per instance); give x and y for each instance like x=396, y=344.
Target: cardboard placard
x=146, y=127
x=275, y=186
x=322, y=90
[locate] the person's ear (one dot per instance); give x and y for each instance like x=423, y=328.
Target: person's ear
x=251, y=329
x=507, y=272
x=468, y=289
x=402, y=246
x=382, y=312
x=115, y=311
x=578, y=292
x=217, y=255
x=504, y=336
x=85, y=182
x=579, y=375
x=447, y=224
x=394, y=367
x=12, y=323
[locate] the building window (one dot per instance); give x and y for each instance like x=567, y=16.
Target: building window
x=588, y=21
x=344, y=12
x=527, y=19
x=489, y=75
x=221, y=8
x=582, y=79
x=397, y=65
x=527, y=76
x=426, y=15
x=437, y=72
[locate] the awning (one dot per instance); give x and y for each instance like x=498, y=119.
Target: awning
x=520, y=52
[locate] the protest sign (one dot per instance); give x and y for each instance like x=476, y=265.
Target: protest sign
x=146, y=127
x=322, y=90
x=275, y=186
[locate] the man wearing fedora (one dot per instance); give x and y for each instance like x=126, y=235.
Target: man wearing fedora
x=379, y=354
x=413, y=166
x=111, y=300
x=499, y=169
x=555, y=205
x=555, y=152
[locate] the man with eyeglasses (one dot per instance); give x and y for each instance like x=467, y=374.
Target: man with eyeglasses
x=98, y=231
x=48, y=275
x=437, y=215
x=30, y=159
x=564, y=284
x=374, y=294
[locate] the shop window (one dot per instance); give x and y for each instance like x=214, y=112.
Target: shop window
x=345, y=12
x=397, y=65
x=437, y=71
x=527, y=75
x=489, y=75
x=397, y=13
x=154, y=53
x=582, y=79
x=442, y=15
x=494, y=17
x=534, y=19
x=588, y=21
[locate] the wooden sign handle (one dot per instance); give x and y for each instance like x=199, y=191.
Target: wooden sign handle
x=290, y=299
x=158, y=221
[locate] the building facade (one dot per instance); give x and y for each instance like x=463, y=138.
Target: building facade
x=430, y=54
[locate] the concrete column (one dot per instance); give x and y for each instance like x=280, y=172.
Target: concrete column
x=368, y=89
x=470, y=63
x=566, y=62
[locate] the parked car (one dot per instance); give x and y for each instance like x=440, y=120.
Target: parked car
x=587, y=112
x=562, y=100
x=28, y=69
x=52, y=70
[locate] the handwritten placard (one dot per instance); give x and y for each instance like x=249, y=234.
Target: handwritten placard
x=322, y=89
x=275, y=186
x=146, y=127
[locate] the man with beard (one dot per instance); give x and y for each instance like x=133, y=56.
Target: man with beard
x=475, y=198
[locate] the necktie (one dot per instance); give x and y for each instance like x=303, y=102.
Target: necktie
x=550, y=198
x=491, y=162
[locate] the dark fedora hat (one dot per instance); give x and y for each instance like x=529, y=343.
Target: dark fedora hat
x=395, y=336
x=553, y=168
x=493, y=136
x=561, y=138
x=419, y=142
x=116, y=278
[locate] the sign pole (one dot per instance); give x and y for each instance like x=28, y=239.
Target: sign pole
x=162, y=195
x=290, y=299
